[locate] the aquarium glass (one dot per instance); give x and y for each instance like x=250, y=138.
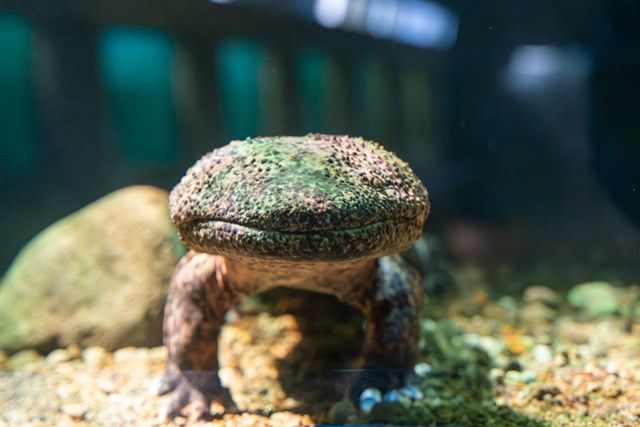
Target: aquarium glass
x=320, y=213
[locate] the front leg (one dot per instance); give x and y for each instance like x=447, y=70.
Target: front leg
x=392, y=309
x=199, y=296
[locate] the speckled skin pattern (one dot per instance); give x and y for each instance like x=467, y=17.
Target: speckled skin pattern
x=319, y=212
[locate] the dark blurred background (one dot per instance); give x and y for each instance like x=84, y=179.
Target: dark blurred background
x=522, y=118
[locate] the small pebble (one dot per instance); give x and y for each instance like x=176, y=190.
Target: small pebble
x=573, y=332
x=512, y=377
x=492, y=346
x=536, y=312
x=370, y=398
x=106, y=386
x=515, y=377
x=594, y=299
x=508, y=303
x=542, y=354
x=391, y=396
x=496, y=375
x=57, y=356
x=542, y=294
x=528, y=377
x=412, y=392
x=76, y=411
x=66, y=391
x=371, y=393
x=75, y=352
x=341, y=412
x=422, y=369
x=25, y=360
x=94, y=356
x=157, y=354
x=366, y=405
x=128, y=354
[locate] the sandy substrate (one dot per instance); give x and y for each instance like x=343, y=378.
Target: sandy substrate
x=283, y=370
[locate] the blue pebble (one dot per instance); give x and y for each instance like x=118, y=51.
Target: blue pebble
x=422, y=369
x=366, y=405
x=391, y=396
x=412, y=392
x=370, y=398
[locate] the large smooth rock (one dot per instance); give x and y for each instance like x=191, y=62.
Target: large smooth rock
x=98, y=277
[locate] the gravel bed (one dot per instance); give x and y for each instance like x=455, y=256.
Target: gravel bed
x=531, y=361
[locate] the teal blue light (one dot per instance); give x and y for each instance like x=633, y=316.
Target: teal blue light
x=135, y=66
x=372, y=94
x=238, y=68
x=17, y=124
x=312, y=82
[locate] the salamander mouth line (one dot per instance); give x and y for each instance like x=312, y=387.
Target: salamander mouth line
x=216, y=223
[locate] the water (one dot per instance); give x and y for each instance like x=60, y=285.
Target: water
x=520, y=120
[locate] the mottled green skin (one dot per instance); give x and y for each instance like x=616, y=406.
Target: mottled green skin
x=321, y=213
x=316, y=198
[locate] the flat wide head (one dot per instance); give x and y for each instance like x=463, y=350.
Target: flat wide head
x=308, y=198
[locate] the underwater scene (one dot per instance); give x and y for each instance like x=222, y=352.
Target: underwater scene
x=290, y=213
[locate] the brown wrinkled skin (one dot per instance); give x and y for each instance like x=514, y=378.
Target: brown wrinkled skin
x=321, y=213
